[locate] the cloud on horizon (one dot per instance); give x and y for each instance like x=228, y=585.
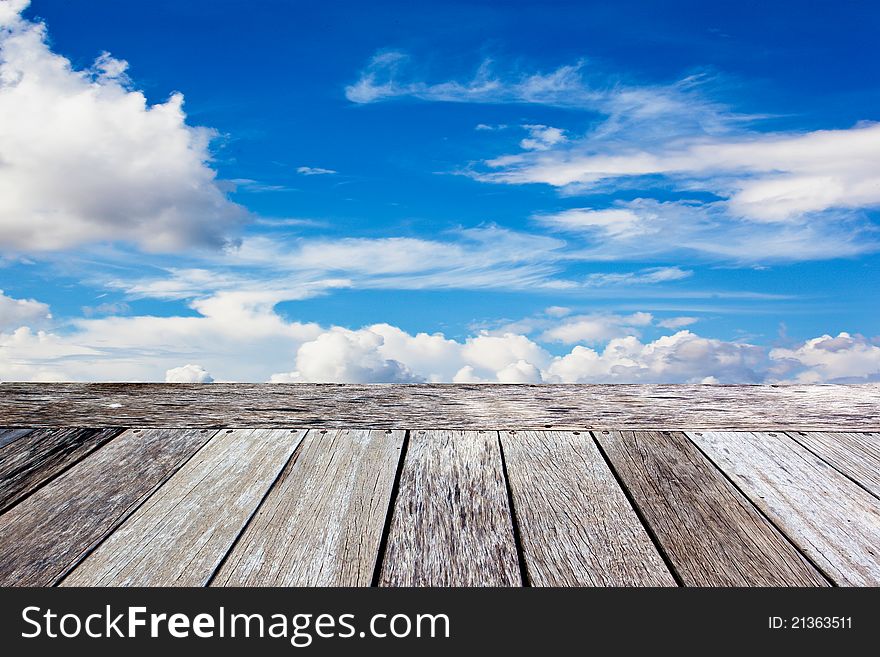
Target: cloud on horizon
x=239, y=338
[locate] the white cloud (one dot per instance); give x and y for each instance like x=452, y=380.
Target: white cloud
x=779, y=196
x=314, y=171
x=612, y=222
x=343, y=356
x=675, y=323
x=85, y=158
x=475, y=258
x=843, y=359
x=242, y=338
x=234, y=335
x=649, y=276
x=519, y=372
x=494, y=353
x=557, y=311
x=679, y=358
x=592, y=329
x=542, y=137
x=188, y=374
x=15, y=313
x=669, y=109
x=765, y=177
x=645, y=228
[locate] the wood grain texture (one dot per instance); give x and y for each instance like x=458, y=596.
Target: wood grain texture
x=322, y=523
x=828, y=517
x=576, y=525
x=46, y=534
x=8, y=435
x=37, y=456
x=451, y=524
x=456, y=406
x=857, y=455
x=180, y=535
x=710, y=532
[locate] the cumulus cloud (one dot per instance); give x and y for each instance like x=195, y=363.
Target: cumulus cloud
x=845, y=358
x=15, y=313
x=241, y=337
x=188, y=374
x=343, y=356
x=85, y=158
x=542, y=137
x=683, y=357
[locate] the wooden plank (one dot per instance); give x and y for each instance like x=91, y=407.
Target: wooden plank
x=576, y=525
x=451, y=524
x=322, y=523
x=37, y=456
x=180, y=535
x=436, y=406
x=7, y=435
x=711, y=533
x=46, y=534
x=856, y=455
x=828, y=517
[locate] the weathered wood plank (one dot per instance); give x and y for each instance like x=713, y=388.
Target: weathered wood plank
x=37, y=456
x=710, y=532
x=322, y=523
x=828, y=517
x=576, y=525
x=180, y=535
x=451, y=524
x=857, y=455
x=430, y=406
x=8, y=435
x=46, y=534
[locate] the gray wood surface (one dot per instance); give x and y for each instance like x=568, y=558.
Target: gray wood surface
x=322, y=523
x=8, y=435
x=451, y=524
x=829, y=518
x=857, y=455
x=180, y=535
x=576, y=524
x=430, y=406
x=710, y=532
x=44, y=535
x=36, y=456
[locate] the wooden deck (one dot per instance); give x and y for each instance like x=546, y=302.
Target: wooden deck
x=439, y=486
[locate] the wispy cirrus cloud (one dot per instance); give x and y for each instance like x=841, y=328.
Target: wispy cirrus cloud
x=648, y=276
x=709, y=181
x=646, y=228
x=314, y=171
x=680, y=106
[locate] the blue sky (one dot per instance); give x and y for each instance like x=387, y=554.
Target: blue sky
x=570, y=191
